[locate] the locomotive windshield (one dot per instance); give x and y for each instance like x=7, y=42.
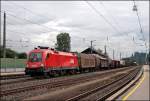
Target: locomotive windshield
x=35, y=57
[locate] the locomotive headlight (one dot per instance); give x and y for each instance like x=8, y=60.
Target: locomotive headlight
x=42, y=65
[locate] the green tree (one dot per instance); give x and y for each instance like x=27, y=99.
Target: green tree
x=63, y=42
x=1, y=51
x=22, y=55
x=9, y=53
x=99, y=51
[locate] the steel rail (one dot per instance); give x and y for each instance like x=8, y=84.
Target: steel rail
x=17, y=80
x=85, y=94
x=6, y=77
x=114, y=90
x=51, y=85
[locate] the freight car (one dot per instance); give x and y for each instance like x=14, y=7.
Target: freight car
x=122, y=63
x=45, y=61
x=114, y=64
x=101, y=62
x=87, y=62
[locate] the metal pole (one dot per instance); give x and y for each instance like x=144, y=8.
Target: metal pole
x=4, y=39
x=146, y=57
x=120, y=55
x=105, y=49
x=4, y=36
x=113, y=54
x=14, y=63
x=91, y=46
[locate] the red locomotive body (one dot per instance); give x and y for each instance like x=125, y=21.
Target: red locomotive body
x=47, y=60
x=57, y=60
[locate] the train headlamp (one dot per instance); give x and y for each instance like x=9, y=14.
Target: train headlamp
x=42, y=65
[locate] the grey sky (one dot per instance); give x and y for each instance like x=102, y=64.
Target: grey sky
x=78, y=19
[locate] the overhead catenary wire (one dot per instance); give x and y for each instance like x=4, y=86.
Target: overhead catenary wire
x=113, y=18
x=39, y=15
x=8, y=13
x=125, y=33
x=24, y=33
x=20, y=41
x=106, y=19
x=101, y=15
x=140, y=25
x=115, y=21
x=22, y=20
x=139, y=21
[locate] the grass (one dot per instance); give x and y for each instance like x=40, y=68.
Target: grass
x=12, y=63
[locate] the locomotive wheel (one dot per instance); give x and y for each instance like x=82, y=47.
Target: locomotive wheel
x=62, y=72
x=73, y=71
x=46, y=75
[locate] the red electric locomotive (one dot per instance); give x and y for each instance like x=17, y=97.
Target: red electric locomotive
x=46, y=61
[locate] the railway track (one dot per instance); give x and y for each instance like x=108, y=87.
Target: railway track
x=7, y=77
x=103, y=92
x=16, y=80
x=83, y=90
x=55, y=84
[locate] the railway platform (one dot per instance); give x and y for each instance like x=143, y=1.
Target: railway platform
x=140, y=91
x=11, y=73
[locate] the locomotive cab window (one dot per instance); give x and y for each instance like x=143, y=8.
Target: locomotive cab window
x=35, y=57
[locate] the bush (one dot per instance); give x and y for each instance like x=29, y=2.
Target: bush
x=22, y=55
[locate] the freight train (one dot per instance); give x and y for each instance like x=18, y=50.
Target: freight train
x=46, y=61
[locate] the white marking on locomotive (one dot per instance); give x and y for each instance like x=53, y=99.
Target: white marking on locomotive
x=72, y=61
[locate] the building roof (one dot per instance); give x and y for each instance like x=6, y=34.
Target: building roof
x=93, y=51
x=101, y=57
